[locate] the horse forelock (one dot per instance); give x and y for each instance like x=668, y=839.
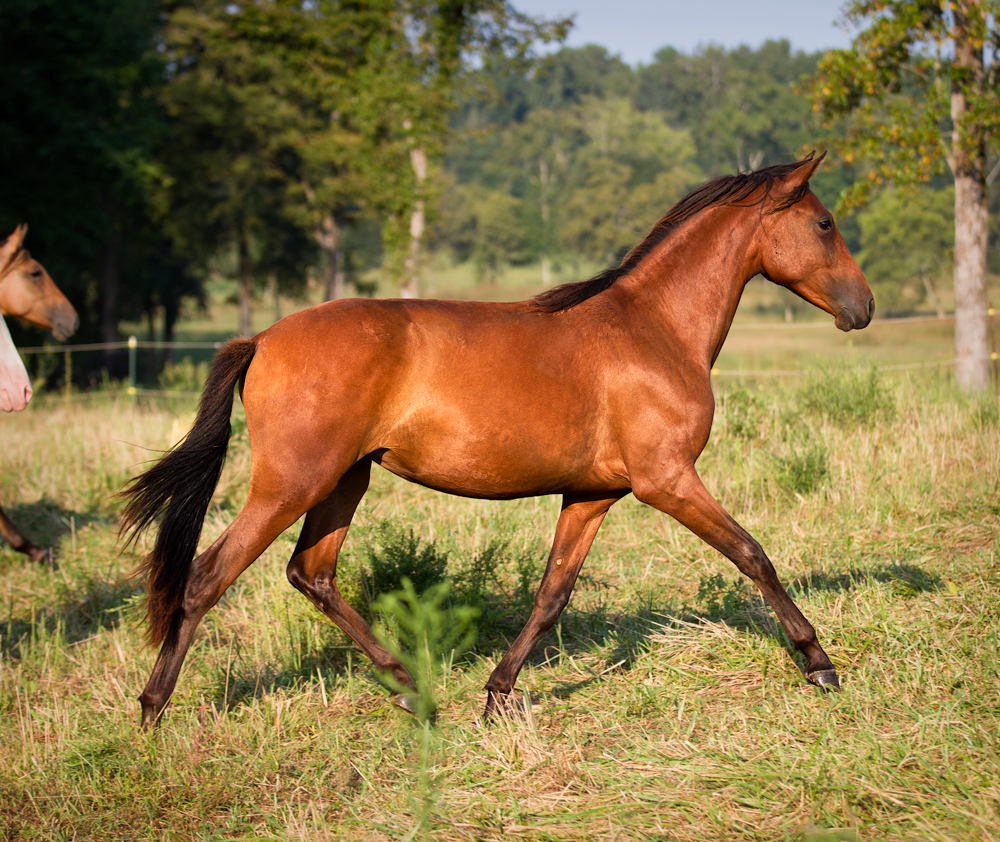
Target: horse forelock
x=725, y=190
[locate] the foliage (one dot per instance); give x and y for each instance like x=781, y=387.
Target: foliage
x=392, y=553
x=890, y=93
x=78, y=129
x=907, y=242
x=740, y=105
x=919, y=89
x=426, y=637
x=741, y=413
x=802, y=465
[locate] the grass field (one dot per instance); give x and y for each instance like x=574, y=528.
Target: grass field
x=665, y=705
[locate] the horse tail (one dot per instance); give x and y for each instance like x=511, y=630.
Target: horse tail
x=181, y=485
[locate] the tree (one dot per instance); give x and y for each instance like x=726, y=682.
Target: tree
x=411, y=86
x=907, y=237
x=631, y=170
x=78, y=128
x=740, y=105
x=916, y=93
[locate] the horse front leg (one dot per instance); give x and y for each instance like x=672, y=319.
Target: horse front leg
x=579, y=521
x=18, y=541
x=686, y=499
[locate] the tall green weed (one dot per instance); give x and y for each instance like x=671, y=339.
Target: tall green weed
x=848, y=397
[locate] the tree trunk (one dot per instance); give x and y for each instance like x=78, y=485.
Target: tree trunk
x=410, y=286
x=972, y=350
x=245, y=284
x=328, y=236
x=968, y=165
x=543, y=184
x=272, y=288
x=109, y=279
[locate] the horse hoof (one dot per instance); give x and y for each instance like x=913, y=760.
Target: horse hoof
x=404, y=702
x=40, y=555
x=827, y=679
x=505, y=707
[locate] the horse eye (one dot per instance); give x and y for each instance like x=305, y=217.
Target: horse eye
x=826, y=224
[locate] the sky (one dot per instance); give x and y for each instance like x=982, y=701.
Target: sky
x=636, y=29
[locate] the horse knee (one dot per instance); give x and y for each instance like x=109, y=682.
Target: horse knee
x=752, y=561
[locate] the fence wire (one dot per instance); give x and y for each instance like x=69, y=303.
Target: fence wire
x=133, y=344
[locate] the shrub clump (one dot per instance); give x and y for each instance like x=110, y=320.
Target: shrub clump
x=804, y=464
x=848, y=397
x=741, y=413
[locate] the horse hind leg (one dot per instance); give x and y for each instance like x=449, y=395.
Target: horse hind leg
x=579, y=521
x=313, y=571
x=18, y=541
x=209, y=576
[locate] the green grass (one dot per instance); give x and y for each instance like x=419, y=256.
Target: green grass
x=665, y=705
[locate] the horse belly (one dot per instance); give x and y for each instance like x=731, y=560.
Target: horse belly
x=500, y=454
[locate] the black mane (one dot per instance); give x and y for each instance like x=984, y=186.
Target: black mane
x=726, y=190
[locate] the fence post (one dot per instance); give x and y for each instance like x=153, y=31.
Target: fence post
x=993, y=355
x=132, y=343
x=68, y=365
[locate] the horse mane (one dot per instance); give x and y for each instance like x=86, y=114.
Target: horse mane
x=725, y=190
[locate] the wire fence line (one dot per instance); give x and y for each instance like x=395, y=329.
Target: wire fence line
x=133, y=345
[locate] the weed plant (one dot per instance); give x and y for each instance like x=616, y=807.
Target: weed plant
x=848, y=396
x=665, y=705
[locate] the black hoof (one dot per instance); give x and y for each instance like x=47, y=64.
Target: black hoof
x=502, y=706
x=404, y=702
x=827, y=679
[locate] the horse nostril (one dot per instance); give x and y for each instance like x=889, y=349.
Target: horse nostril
x=871, y=308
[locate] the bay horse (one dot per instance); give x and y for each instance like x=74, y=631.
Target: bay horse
x=592, y=390
x=27, y=291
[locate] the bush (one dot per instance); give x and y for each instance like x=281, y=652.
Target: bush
x=804, y=464
x=741, y=413
x=184, y=376
x=391, y=553
x=848, y=397
x=426, y=637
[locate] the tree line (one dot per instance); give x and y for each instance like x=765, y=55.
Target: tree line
x=150, y=143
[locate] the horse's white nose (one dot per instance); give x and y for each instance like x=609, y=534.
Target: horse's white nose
x=14, y=401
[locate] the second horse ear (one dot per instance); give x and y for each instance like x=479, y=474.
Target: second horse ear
x=11, y=246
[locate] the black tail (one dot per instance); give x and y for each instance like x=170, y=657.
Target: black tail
x=182, y=483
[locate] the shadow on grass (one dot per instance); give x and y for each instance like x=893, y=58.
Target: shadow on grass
x=81, y=603
x=621, y=635
x=905, y=580
x=46, y=523
x=77, y=614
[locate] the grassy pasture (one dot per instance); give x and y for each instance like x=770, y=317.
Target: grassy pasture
x=665, y=707
x=666, y=704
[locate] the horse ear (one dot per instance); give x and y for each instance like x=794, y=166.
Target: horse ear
x=799, y=178
x=11, y=246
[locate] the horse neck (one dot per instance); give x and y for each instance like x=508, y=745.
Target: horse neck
x=692, y=281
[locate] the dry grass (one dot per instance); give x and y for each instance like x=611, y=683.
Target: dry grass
x=666, y=707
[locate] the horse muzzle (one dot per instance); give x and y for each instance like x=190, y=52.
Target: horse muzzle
x=851, y=319
x=16, y=400
x=65, y=325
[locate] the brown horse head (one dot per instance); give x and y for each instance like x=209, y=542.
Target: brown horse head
x=803, y=250
x=27, y=291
